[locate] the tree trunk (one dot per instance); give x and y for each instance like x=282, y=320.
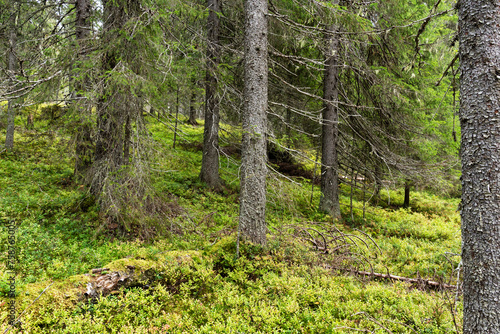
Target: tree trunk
x=479, y=37
x=110, y=123
x=406, y=203
x=84, y=144
x=378, y=182
x=114, y=104
x=9, y=136
x=30, y=124
x=252, y=223
x=329, y=201
x=84, y=149
x=288, y=123
x=210, y=161
x=192, y=109
x=176, y=116
x=126, y=141
x=12, y=61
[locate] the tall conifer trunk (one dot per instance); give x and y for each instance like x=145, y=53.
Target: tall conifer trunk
x=329, y=201
x=406, y=202
x=253, y=163
x=84, y=144
x=479, y=36
x=192, y=101
x=12, y=62
x=115, y=103
x=210, y=160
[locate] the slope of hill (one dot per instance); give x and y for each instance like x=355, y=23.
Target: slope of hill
x=193, y=279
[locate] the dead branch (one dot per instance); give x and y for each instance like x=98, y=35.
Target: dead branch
x=447, y=68
x=419, y=281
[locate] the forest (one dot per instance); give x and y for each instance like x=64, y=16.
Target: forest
x=249, y=166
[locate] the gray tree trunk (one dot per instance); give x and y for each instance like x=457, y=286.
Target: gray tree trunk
x=12, y=61
x=480, y=120
x=329, y=201
x=192, y=101
x=252, y=223
x=210, y=161
x=83, y=142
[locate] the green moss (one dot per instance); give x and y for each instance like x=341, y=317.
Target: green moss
x=191, y=279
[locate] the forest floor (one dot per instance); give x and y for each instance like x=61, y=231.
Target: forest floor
x=307, y=280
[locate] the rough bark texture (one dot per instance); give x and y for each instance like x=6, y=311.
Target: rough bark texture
x=253, y=164
x=84, y=144
x=480, y=120
x=9, y=137
x=329, y=201
x=210, y=161
x=82, y=24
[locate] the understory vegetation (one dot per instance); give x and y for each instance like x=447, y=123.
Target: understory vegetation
x=196, y=277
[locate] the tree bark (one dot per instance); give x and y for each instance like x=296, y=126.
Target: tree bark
x=378, y=182
x=479, y=37
x=252, y=223
x=110, y=122
x=406, y=203
x=329, y=201
x=192, y=109
x=84, y=144
x=210, y=160
x=176, y=116
x=288, y=123
x=126, y=141
x=12, y=62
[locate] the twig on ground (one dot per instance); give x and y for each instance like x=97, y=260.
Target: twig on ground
x=19, y=317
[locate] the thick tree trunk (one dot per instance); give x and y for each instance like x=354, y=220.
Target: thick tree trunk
x=11, y=112
x=110, y=123
x=84, y=144
x=252, y=223
x=480, y=120
x=82, y=24
x=210, y=161
x=329, y=201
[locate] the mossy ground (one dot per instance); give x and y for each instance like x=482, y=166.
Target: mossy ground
x=212, y=291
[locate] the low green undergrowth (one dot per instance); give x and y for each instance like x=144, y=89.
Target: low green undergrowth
x=60, y=236
x=212, y=291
